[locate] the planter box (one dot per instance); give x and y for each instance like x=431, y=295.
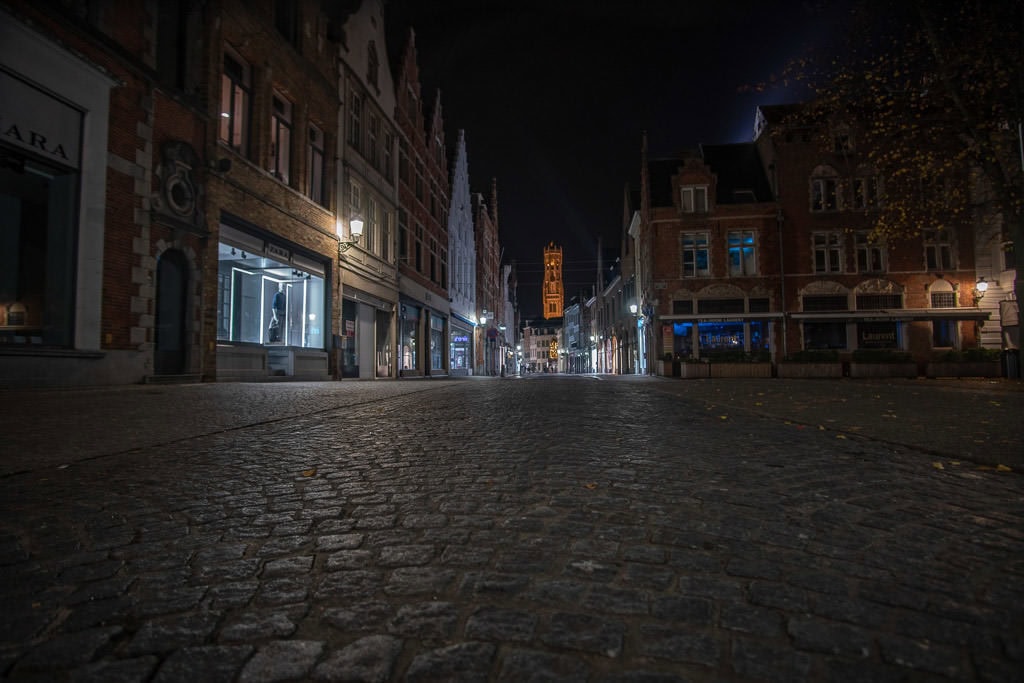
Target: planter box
x=740, y=369
x=964, y=369
x=861, y=369
x=810, y=370
x=694, y=370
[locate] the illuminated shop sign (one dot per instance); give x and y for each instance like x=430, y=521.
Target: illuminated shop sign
x=32, y=120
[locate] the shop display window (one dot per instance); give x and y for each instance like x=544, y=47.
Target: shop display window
x=38, y=204
x=263, y=301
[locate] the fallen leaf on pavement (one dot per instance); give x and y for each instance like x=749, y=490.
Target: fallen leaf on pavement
x=309, y=473
x=938, y=465
x=1003, y=468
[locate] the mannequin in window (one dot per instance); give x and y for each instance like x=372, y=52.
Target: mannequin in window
x=277, y=311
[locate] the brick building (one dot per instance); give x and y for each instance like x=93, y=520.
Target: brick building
x=488, y=281
x=707, y=224
x=106, y=145
x=424, y=191
x=843, y=291
x=270, y=267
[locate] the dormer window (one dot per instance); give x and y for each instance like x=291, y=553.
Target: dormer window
x=694, y=198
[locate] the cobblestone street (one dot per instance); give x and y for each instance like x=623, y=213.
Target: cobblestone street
x=549, y=528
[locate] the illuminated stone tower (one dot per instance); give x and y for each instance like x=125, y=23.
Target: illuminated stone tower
x=553, y=293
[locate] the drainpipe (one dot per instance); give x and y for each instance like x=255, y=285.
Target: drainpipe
x=780, y=219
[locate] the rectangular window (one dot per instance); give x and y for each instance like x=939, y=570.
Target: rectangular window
x=371, y=227
x=682, y=307
x=419, y=180
x=870, y=255
x=355, y=123
x=389, y=141
x=281, y=138
x=720, y=306
x=372, y=138
x=286, y=20
x=385, y=235
x=742, y=254
x=355, y=197
x=37, y=251
x=824, y=194
x=403, y=235
x=878, y=335
x=694, y=198
x=944, y=334
x=315, y=171
x=1009, y=256
x=943, y=299
x=758, y=305
x=828, y=252
x=433, y=260
x=403, y=162
x=938, y=250
x=830, y=335
x=236, y=85
x=865, y=192
x=444, y=268
x=825, y=302
x=695, y=254
x=261, y=302
x=879, y=302
x=417, y=248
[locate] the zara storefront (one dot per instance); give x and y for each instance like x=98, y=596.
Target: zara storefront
x=273, y=312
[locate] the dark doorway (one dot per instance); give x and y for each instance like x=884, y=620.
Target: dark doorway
x=171, y=290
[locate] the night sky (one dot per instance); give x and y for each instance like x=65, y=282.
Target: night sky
x=554, y=97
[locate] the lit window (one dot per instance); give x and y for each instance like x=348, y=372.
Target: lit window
x=281, y=138
x=236, y=84
x=695, y=254
x=828, y=252
x=742, y=254
x=938, y=250
x=694, y=198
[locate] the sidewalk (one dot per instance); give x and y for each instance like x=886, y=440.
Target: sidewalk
x=980, y=421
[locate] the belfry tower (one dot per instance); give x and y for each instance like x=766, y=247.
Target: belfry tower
x=554, y=291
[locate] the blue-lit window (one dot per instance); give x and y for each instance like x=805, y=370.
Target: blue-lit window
x=682, y=339
x=695, y=254
x=742, y=254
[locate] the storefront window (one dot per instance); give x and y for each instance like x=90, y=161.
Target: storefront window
x=264, y=301
x=721, y=337
x=37, y=211
x=460, y=350
x=349, y=341
x=682, y=339
x=760, y=335
x=410, y=321
x=878, y=335
x=830, y=335
x=436, y=343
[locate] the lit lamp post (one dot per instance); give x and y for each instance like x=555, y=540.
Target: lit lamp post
x=355, y=231
x=980, y=287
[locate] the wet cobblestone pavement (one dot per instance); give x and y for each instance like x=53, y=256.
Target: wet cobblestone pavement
x=551, y=528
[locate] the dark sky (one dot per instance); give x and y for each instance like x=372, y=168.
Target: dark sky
x=554, y=97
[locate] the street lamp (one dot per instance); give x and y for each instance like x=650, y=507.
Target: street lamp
x=355, y=231
x=980, y=287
